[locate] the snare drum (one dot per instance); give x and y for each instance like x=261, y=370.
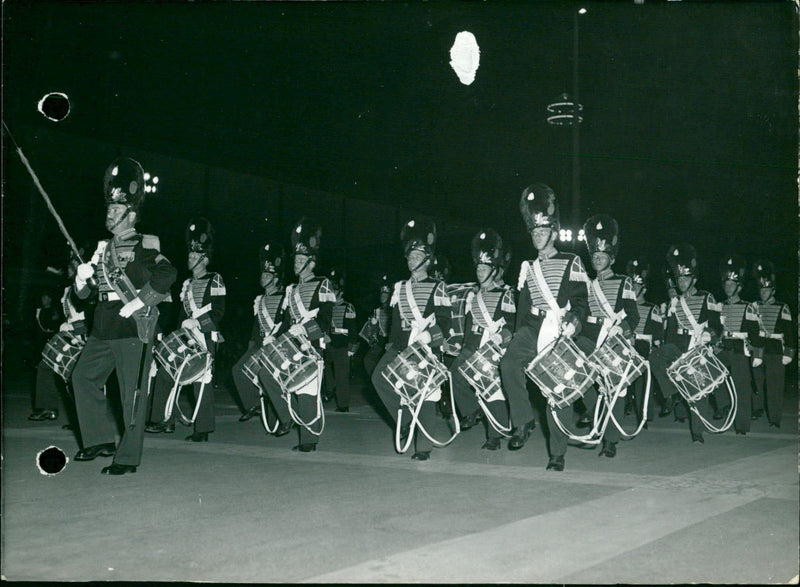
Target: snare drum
x=291, y=360
x=61, y=354
x=183, y=356
x=618, y=362
x=482, y=373
x=696, y=373
x=416, y=371
x=562, y=372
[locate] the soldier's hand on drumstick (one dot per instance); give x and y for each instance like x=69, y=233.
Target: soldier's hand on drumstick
x=424, y=337
x=191, y=323
x=297, y=329
x=705, y=338
x=757, y=361
x=128, y=309
x=786, y=360
x=83, y=274
x=66, y=327
x=568, y=329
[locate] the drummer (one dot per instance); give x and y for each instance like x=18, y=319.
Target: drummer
x=612, y=311
x=691, y=319
x=266, y=309
x=649, y=331
x=489, y=316
x=429, y=301
x=202, y=308
x=564, y=282
x=306, y=311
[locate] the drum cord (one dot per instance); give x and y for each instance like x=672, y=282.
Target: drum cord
x=173, y=401
x=503, y=431
x=731, y=413
x=415, y=423
x=644, y=409
x=264, y=414
x=320, y=416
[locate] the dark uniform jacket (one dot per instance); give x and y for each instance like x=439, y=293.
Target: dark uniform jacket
x=621, y=297
x=499, y=304
x=678, y=328
x=267, y=310
x=650, y=328
x=776, y=334
x=203, y=299
x=566, y=278
x=458, y=293
x=343, y=326
x=150, y=272
x=316, y=293
x=431, y=298
x=740, y=326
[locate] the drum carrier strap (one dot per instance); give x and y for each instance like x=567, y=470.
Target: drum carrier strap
x=420, y=323
x=492, y=327
x=696, y=327
x=614, y=318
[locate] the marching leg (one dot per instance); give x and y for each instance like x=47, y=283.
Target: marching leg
x=88, y=379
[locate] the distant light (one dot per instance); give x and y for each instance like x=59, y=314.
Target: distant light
x=154, y=189
x=155, y=179
x=146, y=176
x=581, y=11
x=147, y=189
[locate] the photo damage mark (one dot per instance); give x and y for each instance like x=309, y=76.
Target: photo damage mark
x=54, y=106
x=465, y=57
x=51, y=461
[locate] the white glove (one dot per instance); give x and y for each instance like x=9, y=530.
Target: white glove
x=297, y=329
x=496, y=338
x=350, y=353
x=84, y=271
x=267, y=339
x=66, y=327
x=705, y=338
x=786, y=360
x=568, y=329
x=191, y=323
x=424, y=337
x=615, y=330
x=128, y=309
x=757, y=361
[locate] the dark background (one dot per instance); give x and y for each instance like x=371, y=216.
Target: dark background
x=350, y=113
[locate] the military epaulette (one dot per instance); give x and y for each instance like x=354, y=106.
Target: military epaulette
x=217, y=286
x=628, y=292
x=350, y=311
x=507, y=303
x=786, y=314
x=440, y=297
x=151, y=241
x=577, y=272
x=714, y=307
x=396, y=293
x=326, y=291
x=749, y=313
x=256, y=303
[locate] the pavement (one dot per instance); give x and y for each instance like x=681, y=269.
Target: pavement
x=244, y=508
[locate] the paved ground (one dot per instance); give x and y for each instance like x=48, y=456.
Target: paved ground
x=245, y=508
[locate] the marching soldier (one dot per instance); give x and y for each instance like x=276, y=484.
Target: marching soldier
x=266, y=309
x=776, y=338
x=740, y=329
x=490, y=316
x=132, y=277
x=305, y=312
x=375, y=331
x=612, y=308
x=420, y=312
x=342, y=347
x=692, y=318
x=649, y=332
x=46, y=393
x=202, y=309
x=547, y=287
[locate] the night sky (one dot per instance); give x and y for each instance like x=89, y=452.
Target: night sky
x=350, y=113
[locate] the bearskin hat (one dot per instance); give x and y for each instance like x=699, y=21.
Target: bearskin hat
x=199, y=236
x=419, y=235
x=732, y=268
x=385, y=286
x=271, y=259
x=306, y=237
x=764, y=273
x=440, y=268
x=539, y=207
x=487, y=248
x=638, y=270
x=602, y=234
x=682, y=260
x=123, y=183
x=336, y=277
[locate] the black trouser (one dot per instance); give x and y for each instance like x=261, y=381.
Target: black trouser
x=660, y=359
x=97, y=361
x=337, y=370
x=372, y=356
x=466, y=398
x=390, y=399
x=248, y=392
x=739, y=367
x=49, y=388
x=770, y=378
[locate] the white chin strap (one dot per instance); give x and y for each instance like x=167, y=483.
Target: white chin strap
x=421, y=263
x=200, y=260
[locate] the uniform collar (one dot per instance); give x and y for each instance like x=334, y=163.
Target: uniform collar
x=691, y=292
x=605, y=274
x=734, y=299
x=769, y=302
x=310, y=277
x=547, y=255
x=125, y=235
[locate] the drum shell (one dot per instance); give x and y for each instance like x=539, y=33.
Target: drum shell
x=481, y=370
x=291, y=360
x=61, y=354
x=562, y=372
x=415, y=369
x=613, y=358
x=696, y=373
x=182, y=356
